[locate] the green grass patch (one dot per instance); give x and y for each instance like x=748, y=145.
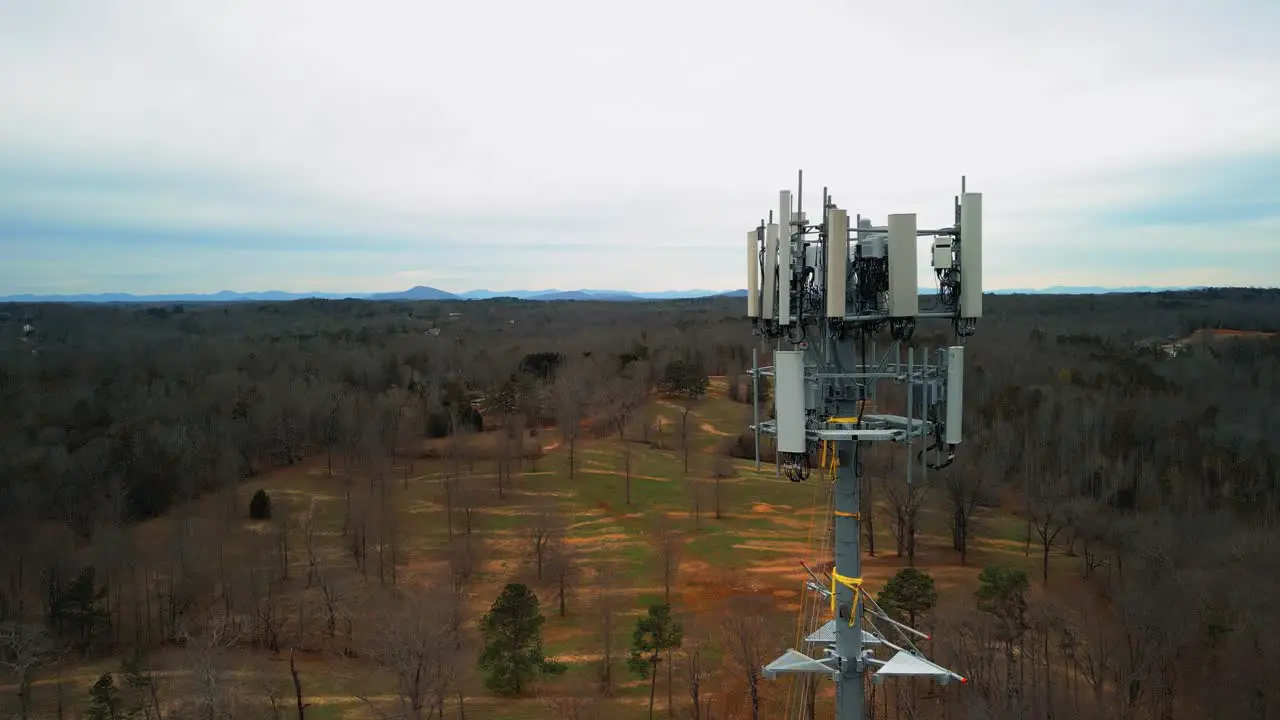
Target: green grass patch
x=999, y=526
x=715, y=544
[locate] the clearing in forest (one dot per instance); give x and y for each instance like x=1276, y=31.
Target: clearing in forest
x=713, y=533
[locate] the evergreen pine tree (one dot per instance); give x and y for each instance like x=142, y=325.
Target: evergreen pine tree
x=104, y=700
x=512, y=629
x=908, y=595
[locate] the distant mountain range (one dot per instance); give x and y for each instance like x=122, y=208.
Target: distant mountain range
x=1091, y=290
x=420, y=292
x=423, y=292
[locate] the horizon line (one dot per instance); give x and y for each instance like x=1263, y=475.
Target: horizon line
x=704, y=292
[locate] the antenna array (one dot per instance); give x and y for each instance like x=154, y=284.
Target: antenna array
x=822, y=293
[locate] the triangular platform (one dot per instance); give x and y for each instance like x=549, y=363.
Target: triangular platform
x=793, y=661
x=906, y=664
x=827, y=634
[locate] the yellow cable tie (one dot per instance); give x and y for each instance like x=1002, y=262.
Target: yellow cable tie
x=854, y=515
x=853, y=583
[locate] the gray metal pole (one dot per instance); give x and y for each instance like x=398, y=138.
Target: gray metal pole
x=850, y=691
x=911, y=423
x=755, y=401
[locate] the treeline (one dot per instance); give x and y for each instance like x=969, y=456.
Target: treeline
x=122, y=409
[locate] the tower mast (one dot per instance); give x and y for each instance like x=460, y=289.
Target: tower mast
x=823, y=293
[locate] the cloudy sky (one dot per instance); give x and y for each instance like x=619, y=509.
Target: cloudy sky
x=182, y=146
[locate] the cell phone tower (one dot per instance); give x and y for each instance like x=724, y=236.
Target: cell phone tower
x=822, y=293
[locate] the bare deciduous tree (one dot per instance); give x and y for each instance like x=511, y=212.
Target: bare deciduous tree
x=297, y=688
x=23, y=647
x=563, y=573
x=463, y=556
x=572, y=396
x=1048, y=503
x=666, y=543
x=206, y=653
x=606, y=612
x=420, y=644
x=906, y=500
x=544, y=532
x=697, y=672
x=686, y=436
x=723, y=470
x=746, y=637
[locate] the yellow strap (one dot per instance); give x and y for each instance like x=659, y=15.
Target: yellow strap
x=850, y=582
x=842, y=513
x=835, y=458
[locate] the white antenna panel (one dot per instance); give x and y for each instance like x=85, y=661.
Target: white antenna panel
x=784, y=257
x=904, y=295
x=788, y=400
x=753, y=274
x=971, y=255
x=837, y=261
x=955, y=395
x=770, y=271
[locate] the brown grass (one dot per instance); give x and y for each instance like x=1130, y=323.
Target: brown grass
x=767, y=527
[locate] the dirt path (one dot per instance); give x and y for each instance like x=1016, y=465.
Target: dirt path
x=713, y=430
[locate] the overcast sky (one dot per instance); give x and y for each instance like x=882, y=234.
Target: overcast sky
x=181, y=146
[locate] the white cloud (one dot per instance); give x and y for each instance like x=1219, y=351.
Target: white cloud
x=616, y=126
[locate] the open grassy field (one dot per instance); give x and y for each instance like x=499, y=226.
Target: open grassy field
x=766, y=526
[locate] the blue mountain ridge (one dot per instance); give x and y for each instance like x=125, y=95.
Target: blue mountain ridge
x=423, y=292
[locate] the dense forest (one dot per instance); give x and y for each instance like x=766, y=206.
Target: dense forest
x=1121, y=429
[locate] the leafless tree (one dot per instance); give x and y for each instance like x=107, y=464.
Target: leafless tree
x=723, y=470
x=746, y=637
x=467, y=498
x=463, y=556
x=667, y=544
x=965, y=487
x=605, y=606
x=281, y=524
x=268, y=617
x=420, y=645
x=23, y=647
x=867, y=501
x=297, y=688
x=697, y=672
x=206, y=657
x=621, y=397
x=1048, y=503
x=333, y=599
x=448, y=494
x=563, y=572
x=545, y=531
x=646, y=415
x=309, y=544
x=686, y=436
x=697, y=493
x=905, y=501
x=572, y=395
